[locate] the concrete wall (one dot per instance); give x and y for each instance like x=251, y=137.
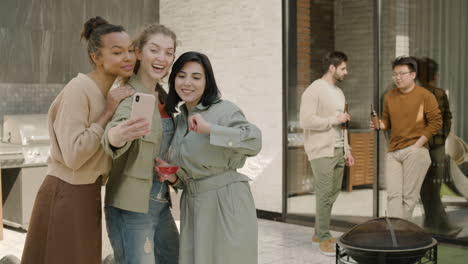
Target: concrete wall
x=243, y=40
x=40, y=48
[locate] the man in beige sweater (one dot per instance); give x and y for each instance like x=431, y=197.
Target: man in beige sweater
x=326, y=142
x=413, y=116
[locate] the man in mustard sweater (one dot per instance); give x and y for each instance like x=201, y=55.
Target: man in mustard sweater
x=326, y=142
x=413, y=116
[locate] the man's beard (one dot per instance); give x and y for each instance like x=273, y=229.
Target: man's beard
x=338, y=78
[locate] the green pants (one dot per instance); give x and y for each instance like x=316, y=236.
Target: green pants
x=328, y=176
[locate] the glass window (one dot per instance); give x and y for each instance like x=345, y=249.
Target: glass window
x=321, y=27
x=434, y=34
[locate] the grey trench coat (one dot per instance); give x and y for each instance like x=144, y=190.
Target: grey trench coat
x=218, y=216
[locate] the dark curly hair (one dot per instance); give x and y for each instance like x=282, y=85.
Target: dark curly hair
x=92, y=32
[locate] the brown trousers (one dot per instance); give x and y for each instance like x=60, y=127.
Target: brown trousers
x=65, y=225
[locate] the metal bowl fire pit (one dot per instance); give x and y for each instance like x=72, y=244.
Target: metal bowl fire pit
x=386, y=240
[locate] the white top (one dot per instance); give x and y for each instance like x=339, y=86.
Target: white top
x=339, y=101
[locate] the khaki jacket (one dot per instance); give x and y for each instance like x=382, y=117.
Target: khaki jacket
x=131, y=176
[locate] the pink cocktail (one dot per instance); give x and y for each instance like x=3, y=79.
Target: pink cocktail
x=168, y=169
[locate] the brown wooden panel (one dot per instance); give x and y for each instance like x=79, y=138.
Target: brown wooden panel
x=362, y=173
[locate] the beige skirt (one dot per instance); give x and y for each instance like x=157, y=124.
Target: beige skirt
x=65, y=225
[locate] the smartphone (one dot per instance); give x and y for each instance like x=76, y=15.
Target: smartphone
x=143, y=105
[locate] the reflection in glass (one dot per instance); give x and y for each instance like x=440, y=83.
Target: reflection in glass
x=434, y=29
x=330, y=26
x=434, y=32
x=435, y=217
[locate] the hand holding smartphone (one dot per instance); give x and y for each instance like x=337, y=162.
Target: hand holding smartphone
x=143, y=105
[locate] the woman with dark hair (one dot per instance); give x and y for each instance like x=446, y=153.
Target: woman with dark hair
x=212, y=140
x=65, y=225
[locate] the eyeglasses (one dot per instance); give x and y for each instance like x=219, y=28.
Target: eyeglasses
x=399, y=74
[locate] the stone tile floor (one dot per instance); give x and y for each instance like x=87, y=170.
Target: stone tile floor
x=278, y=243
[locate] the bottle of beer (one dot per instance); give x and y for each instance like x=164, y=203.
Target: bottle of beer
x=345, y=125
x=375, y=118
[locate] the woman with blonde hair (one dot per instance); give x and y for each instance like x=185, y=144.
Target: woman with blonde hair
x=137, y=206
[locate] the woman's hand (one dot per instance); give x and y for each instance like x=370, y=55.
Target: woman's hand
x=116, y=95
x=128, y=131
x=113, y=99
x=171, y=178
x=198, y=124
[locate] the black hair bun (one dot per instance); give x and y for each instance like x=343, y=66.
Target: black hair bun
x=92, y=24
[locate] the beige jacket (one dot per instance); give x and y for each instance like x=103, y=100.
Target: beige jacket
x=76, y=154
x=316, y=117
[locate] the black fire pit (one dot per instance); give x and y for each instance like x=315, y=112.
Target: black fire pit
x=386, y=240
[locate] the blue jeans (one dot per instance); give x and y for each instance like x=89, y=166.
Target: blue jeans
x=139, y=238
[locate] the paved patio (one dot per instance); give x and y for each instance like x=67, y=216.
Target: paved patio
x=278, y=243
